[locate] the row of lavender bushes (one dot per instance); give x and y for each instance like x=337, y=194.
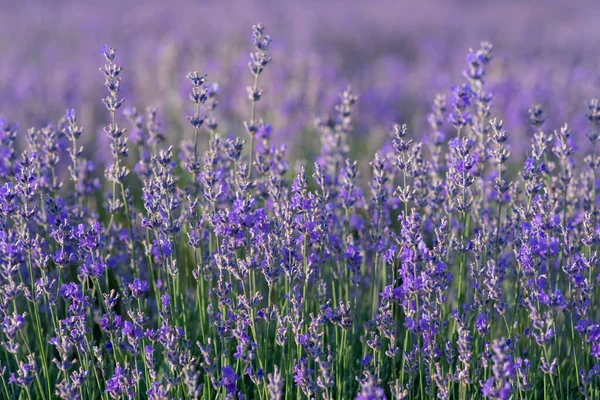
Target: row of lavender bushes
x=449, y=270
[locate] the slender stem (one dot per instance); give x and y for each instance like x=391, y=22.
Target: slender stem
x=252, y=122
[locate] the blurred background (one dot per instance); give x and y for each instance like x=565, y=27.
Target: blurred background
x=396, y=55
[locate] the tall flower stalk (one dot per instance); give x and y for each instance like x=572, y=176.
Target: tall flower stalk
x=258, y=61
x=117, y=171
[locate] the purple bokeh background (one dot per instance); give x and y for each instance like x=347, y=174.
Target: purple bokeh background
x=395, y=54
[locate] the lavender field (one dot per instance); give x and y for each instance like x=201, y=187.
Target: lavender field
x=348, y=200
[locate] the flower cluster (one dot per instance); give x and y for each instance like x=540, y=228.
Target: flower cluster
x=448, y=269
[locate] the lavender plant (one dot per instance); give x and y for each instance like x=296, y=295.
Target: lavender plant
x=466, y=273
